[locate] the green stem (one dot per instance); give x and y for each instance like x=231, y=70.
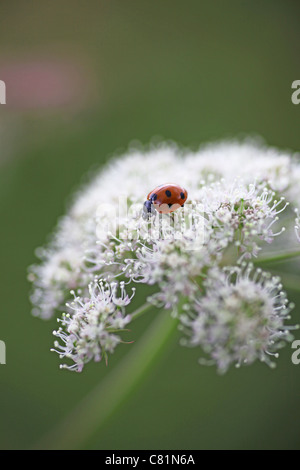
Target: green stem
x=115, y=388
x=277, y=258
x=140, y=311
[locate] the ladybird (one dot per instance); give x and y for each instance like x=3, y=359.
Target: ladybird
x=166, y=198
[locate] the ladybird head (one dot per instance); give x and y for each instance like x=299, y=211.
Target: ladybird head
x=148, y=209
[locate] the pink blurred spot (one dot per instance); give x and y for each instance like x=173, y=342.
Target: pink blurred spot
x=42, y=84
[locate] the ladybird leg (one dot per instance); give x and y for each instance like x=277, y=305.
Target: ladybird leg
x=170, y=215
x=172, y=218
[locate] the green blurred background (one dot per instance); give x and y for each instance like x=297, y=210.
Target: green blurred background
x=84, y=79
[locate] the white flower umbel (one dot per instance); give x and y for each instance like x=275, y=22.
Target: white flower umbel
x=242, y=213
x=92, y=331
x=237, y=196
x=240, y=317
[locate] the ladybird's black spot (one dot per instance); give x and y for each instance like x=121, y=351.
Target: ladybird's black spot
x=170, y=205
x=153, y=197
x=182, y=195
x=168, y=193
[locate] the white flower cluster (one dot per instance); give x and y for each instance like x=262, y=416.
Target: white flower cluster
x=93, y=330
x=240, y=318
x=236, y=195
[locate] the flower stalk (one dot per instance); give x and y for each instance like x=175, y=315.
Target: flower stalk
x=91, y=414
x=277, y=257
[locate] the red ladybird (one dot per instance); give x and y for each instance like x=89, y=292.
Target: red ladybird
x=165, y=199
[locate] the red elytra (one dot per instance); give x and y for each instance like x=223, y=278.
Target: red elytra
x=167, y=198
